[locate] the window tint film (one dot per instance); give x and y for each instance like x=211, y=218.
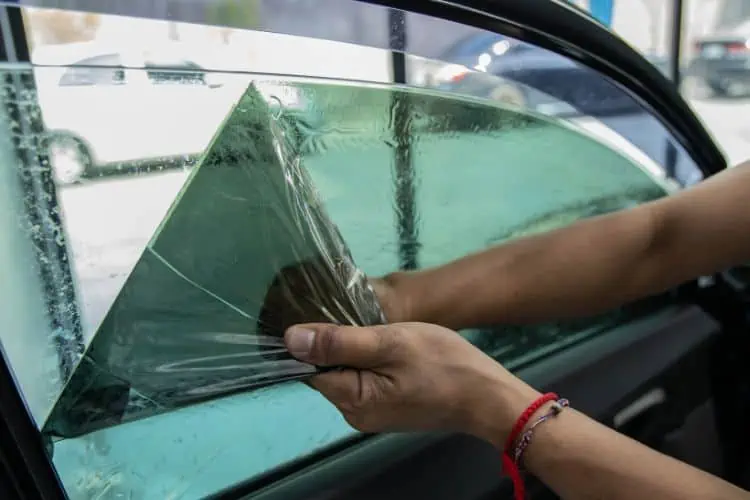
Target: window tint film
x=410, y=176
x=197, y=317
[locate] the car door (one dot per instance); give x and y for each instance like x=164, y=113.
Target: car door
x=412, y=179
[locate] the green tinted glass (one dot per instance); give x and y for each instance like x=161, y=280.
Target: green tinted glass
x=401, y=173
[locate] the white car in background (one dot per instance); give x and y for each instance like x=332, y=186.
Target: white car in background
x=105, y=108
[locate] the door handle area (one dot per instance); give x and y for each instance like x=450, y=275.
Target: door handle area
x=652, y=398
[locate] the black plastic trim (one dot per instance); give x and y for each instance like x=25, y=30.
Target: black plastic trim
x=25, y=468
x=562, y=28
x=675, y=55
x=630, y=356
x=13, y=48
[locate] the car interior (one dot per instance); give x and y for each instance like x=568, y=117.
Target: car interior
x=144, y=292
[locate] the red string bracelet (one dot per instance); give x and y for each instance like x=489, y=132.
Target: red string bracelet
x=510, y=467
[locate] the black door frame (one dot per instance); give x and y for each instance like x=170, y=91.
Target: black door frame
x=677, y=33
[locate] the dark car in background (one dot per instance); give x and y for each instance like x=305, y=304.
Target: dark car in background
x=722, y=61
x=489, y=65
x=500, y=68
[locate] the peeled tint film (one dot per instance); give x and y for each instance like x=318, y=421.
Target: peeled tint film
x=245, y=251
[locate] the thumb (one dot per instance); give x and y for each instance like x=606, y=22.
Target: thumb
x=333, y=345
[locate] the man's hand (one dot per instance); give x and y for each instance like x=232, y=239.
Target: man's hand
x=411, y=376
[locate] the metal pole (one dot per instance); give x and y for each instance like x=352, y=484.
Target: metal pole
x=42, y=211
x=676, y=42
x=671, y=156
x=404, y=176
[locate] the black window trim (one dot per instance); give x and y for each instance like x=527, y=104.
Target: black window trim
x=25, y=467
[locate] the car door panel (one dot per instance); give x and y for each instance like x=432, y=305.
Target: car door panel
x=600, y=377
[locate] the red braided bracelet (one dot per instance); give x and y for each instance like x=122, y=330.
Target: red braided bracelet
x=509, y=464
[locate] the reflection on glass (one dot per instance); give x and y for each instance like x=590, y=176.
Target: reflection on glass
x=501, y=69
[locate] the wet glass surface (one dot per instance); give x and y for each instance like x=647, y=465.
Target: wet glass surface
x=405, y=174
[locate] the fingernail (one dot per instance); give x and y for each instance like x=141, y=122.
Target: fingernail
x=299, y=342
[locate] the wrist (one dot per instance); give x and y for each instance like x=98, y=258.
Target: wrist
x=402, y=300
x=495, y=405
x=417, y=297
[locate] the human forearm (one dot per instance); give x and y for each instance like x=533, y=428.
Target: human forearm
x=582, y=269
x=423, y=377
x=588, y=267
x=580, y=459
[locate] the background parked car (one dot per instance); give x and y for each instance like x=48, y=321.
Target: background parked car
x=503, y=69
x=493, y=66
x=722, y=61
x=140, y=93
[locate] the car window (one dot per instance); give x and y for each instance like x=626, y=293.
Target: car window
x=412, y=176
x=99, y=70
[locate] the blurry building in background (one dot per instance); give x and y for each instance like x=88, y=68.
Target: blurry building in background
x=733, y=13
